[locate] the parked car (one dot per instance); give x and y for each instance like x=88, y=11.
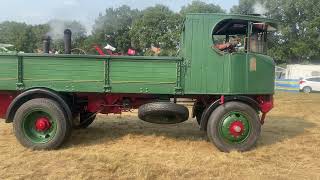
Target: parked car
x=310, y=84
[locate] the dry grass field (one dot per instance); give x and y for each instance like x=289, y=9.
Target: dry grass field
x=122, y=147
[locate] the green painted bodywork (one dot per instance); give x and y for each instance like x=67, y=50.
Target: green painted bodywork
x=198, y=70
x=212, y=72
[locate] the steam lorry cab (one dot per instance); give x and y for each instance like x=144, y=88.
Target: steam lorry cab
x=46, y=96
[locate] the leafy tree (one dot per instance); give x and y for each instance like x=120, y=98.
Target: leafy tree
x=201, y=7
x=113, y=27
x=299, y=33
x=28, y=41
x=18, y=34
x=39, y=31
x=159, y=27
x=244, y=7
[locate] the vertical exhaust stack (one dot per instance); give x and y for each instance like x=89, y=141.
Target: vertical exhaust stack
x=67, y=41
x=46, y=43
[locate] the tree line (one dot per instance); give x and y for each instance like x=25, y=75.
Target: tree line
x=297, y=40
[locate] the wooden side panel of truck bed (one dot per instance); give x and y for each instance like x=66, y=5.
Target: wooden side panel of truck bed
x=143, y=76
x=8, y=72
x=71, y=73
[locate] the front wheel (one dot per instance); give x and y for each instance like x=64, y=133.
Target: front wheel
x=234, y=126
x=41, y=124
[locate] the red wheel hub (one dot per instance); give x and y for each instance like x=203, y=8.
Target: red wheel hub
x=236, y=128
x=42, y=124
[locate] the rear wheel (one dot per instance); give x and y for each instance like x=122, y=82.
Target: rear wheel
x=234, y=126
x=307, y=89
x=41, y=124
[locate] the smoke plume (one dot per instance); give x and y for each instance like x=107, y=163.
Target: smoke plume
x=260, y=8
x=57, y=28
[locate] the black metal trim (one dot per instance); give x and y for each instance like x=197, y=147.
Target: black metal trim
x=19, y=84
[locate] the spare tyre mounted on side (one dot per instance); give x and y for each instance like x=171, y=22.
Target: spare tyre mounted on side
x=163, y=113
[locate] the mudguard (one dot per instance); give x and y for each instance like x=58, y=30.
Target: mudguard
x=207, y=112
x=37, y=93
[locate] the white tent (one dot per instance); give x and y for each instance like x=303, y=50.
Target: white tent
x=298, y=71
x=280, y=72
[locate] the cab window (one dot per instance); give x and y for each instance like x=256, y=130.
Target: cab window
x=232, y=35
x=258, y=37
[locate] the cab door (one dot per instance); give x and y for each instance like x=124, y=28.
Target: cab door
x=194, y=70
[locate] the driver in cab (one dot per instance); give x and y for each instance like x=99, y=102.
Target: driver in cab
x=233, y=45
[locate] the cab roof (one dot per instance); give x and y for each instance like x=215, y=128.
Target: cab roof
x=255, y=18
x=233, y=23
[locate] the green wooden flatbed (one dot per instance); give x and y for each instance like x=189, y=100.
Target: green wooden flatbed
x=78, y=73
x=43, y=94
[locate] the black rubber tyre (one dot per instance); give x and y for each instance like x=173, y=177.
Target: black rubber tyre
x=307, y=89
x=163, y=113
x=216, y=118
x=63, y=126
x=86, y=119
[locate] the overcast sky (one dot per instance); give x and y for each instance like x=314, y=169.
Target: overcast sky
x=85, y=11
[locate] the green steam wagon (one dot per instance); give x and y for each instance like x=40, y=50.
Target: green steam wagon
x=46, y=96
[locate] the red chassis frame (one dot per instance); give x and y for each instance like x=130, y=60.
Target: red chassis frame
x=117, y=103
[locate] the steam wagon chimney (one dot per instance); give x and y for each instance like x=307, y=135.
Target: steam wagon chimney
x=46, y=43
x=67, y=41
